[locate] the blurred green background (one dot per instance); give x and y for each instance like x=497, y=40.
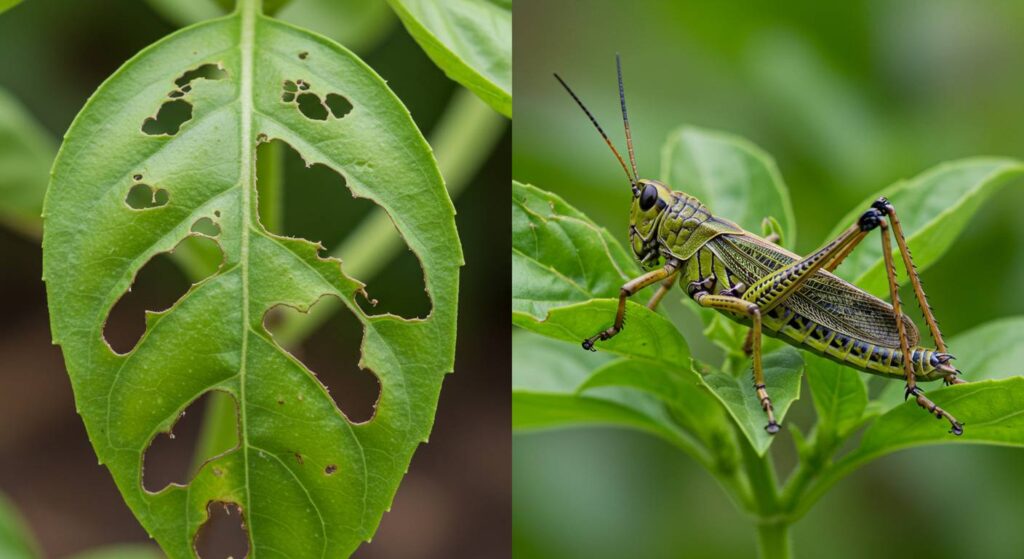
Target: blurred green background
x=848, y=97
x=455, y=501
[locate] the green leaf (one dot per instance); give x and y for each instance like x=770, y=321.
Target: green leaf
x=782, y=370
x=559, y=256
x=548, y=378
x=270, y=7
x=356, y=24
x=840, y=396
x=990, y=351
x=933, y=207
x=121, y=552
x=26, y=153
x=990, y=410
x=213, y=338
x=8, y=4
x=734, y=178
x=679, y=388
x=471, y=40
x=647, y=334
x=16, y=541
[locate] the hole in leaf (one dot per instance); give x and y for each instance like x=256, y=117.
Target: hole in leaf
x=338, y=105
x=332, y=353
x=207, y=71
x=170, y=457
x=157, y=286
x=224, y=534
x=290, y=86
x=324, y=210
x=311, y=107
x=206, y=226
x=143, y=197
x=330, y=469
x=169, y=118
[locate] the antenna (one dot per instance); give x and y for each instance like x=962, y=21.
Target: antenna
x=622, y=162
x=625, y=118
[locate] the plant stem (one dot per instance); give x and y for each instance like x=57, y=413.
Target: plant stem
x=773, y=540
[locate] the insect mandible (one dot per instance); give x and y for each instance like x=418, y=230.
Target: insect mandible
x=756, y=282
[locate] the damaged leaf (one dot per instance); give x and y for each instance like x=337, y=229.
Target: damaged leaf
x=200, y=178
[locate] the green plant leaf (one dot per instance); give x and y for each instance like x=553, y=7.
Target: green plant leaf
x=270, y=7
x=734, y=178
x=306, y=479
x=840, y=396
x=990, y=351
x=559, y=256
x=933, y=207
x=356, y=24
x=26, y=153
x=471, y=40
x=16, y=541
x=679, y=388
x=548, y=380
x=647, y=335
x=782, y=371
x=121, y=552
x=8, y=4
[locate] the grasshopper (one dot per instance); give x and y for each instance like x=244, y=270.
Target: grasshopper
x=775, y=292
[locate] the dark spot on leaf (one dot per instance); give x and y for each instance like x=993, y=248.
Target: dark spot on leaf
x=311, y=107
x=157, y=286
x=330, y=469
x=332, y=354
x=144, y=197
x=170, y=456
x=206, y=226
x=338, y=105
x=303, y=85
x=137, y=177
x=169, y=118
x=224, y=534
x=298, y=458
x=303, y=55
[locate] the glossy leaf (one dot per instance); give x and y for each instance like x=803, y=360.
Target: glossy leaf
x=471, y=40
x=840, y=396
x=306, y=479
x=26, y=153
x=933, y=207
x=559, y=256
x=735, y=179
x=782, y=371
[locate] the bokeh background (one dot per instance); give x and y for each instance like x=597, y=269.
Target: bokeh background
x=455, y=501
x=848, y=97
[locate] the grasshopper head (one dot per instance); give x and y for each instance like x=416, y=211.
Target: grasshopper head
x=650, y=200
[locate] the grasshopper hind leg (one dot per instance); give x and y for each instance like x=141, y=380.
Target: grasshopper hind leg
x=632, y=286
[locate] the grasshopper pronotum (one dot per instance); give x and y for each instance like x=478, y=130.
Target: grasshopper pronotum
x=797, y=299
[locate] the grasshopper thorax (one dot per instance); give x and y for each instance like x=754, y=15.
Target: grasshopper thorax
x=650, y=201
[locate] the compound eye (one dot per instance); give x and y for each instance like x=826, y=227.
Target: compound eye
x=648, y=197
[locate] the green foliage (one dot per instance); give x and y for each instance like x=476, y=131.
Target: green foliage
x=306, y=478
x=121, y=552
x=26, y=152
x=471, y=40
x=732, y=177
x=934, y=208
x=15, y=541
x=702, y=409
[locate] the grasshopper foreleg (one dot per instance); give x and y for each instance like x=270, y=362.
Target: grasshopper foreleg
x=627, y=291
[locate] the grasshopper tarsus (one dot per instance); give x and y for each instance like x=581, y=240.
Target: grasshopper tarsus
x=772, y=428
